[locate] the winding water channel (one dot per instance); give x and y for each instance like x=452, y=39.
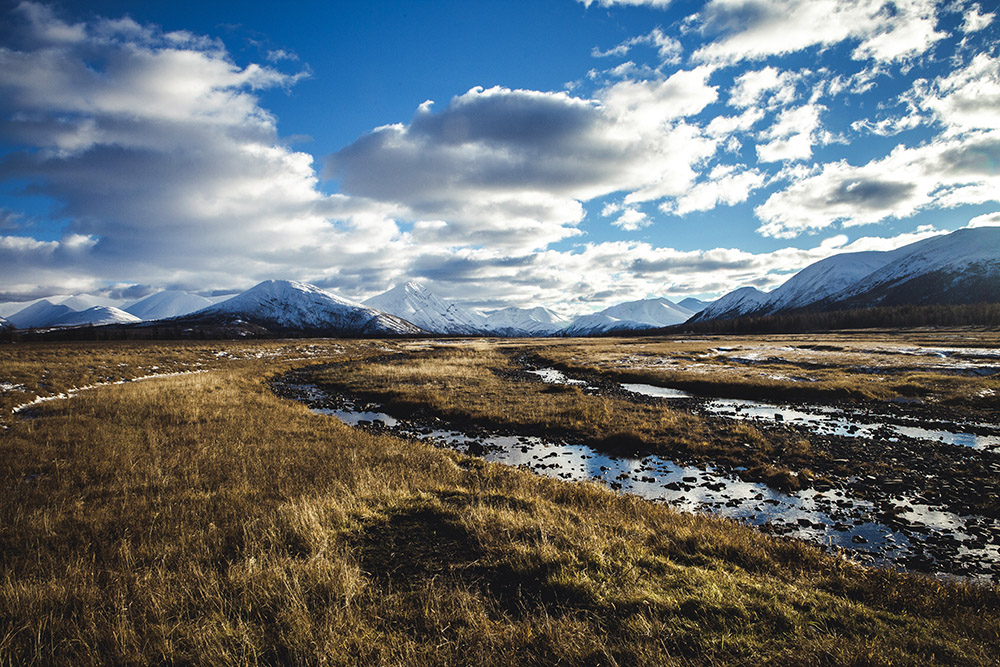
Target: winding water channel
x=933, y=540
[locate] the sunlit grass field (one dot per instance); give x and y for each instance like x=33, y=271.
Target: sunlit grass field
x=200, y=519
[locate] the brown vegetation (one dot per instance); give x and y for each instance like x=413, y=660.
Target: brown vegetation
x=200, y=519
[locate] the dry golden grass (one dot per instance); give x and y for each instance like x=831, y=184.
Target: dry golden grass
x=471, y=384
x=858, y=366
x=200, y=519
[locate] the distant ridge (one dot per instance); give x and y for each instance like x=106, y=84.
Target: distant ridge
x=169, y=303
x=97, y=316
x=629, y=316
x=289, y=306
x=513, y=322
x=960, y=268
x=415, y=303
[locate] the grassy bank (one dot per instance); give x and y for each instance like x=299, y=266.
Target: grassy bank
x=200, y=519
x=851, y=367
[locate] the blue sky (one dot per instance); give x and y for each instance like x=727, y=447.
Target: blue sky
x=553, y=152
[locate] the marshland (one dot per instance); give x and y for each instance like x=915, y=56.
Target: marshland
x=480, y=501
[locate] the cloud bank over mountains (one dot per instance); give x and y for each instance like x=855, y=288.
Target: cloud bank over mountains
x=164, y=167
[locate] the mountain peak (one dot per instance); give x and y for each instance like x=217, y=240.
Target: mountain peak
x=417, y=304
x=298, y=306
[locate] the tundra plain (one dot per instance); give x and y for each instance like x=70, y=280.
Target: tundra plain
x=182, y=510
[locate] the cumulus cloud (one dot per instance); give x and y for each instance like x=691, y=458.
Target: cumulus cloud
x=725, y=184
x=943, y=173
x=155, y=147
x=770, y=87
x=577, y=282
x=986, y=220
x=966, y=99
x=631, y=219
x=793, y=134
x=756, y=29
x=976, y=19
x=512, y=167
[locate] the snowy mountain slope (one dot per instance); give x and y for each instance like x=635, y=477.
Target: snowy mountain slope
x=694, y=305
x=415, y=303
x=642, y=314
x=824, y=278
x=4, y=324
x=958, y=268
x=598, y=323
x=743, y=301
x=169, y=303
x=39, y=314
x=72, y=301
x=536, y=321
x=295, y=306
x=8, y=308
x=85, y=301
x=96, y=316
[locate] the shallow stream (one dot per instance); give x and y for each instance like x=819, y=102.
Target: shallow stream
x=938, y=541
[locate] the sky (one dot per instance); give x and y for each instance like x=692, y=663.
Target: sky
x=567, y=153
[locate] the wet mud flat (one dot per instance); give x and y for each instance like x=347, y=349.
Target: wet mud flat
x=910, y=515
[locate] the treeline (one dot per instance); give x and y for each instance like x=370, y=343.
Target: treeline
x=885, y=317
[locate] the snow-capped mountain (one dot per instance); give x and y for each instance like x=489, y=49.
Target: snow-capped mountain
x=169, y=303
x=96, y=316
x=85, y=301
x=40, y=314
x=8, y=308
x=735, y=304
x=415, y=303
x=824, y=279
x=631, y=315
x=285, y=305
x=525, y=322
x=958, y=268
x=694, y=305
x=4, y=324
x=71, y=301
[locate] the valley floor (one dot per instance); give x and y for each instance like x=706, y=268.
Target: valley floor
x=200, y=518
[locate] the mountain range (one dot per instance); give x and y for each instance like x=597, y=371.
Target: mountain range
x=953, y=269
x=169, y=303
x=288, y=306
x=415, y=303
x=958, y=268
x=630, y=316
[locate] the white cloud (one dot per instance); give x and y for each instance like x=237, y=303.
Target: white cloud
x=793, y=134
x=631, y=219
x=976, y=20
x=278, y=55
x=668, y=48
x=659, y=4
x=598, y=275
x=943, y=174
x=966, y=99
x=651, y=104
x=510, y=168
x=755, y=29
x=156, y=149
x=750, y=88
x=725, y=184
x=723, y=126
x=985, y=220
